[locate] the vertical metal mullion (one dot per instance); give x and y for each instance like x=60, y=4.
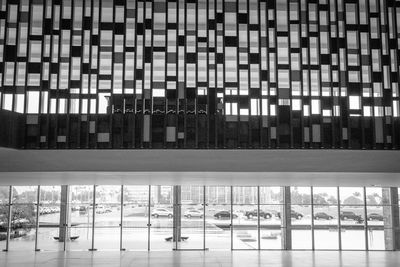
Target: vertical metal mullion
x=231, y=218
x=3, y=74
x=331, y=80
x=321, y=118
x=17, y=39
x=93, y=216
x=339, y=219
x=312, y=219
x=258, y=218
x=302, y=97
x=196, y=118
x=248, y=74
x=204, y=212
x=365, y=219
x=10, y=195
x=268, y=78
x=148, y=219
x=37, y=218
x=99, y=50
x=110, y=103
x=291, y=144
x=184, y=77
x=122, y=219
x=134, y=74
x=151, y=75
x=394, y=22
x=42, y=66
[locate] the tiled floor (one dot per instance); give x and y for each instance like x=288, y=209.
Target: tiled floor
x=197, y=258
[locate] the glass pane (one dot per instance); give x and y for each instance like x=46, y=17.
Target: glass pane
x=161, y=229
x=376, y=237
x=23, y=227
x=326, y=231
x=300, y=195
x=324, y=195
x=135, y=218
x=107, y=217
x=301, y=225
x=79, y=233
x=351, y=196
x=270, y=226
x=218, y=230
x=49, y=219
x=245, y=214
x=23, y=218
x=192, y=217
x=3, y=221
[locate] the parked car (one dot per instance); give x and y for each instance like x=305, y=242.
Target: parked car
x=254, y=213
x=374, y=217
x=322, y=215
x=224, y=214
x=350, y=215
x=193, y=213
x=294, y=214
x=161, y=212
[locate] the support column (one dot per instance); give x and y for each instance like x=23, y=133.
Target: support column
x=63, y=225
x=177, y=214
x=391, y=218
x=286, y=220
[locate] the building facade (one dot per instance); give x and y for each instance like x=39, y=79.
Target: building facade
x=202, y=74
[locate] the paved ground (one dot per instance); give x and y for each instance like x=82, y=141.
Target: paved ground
x=201, y=258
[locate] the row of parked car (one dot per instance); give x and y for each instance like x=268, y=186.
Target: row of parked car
x=224, y=214
x=48, y=210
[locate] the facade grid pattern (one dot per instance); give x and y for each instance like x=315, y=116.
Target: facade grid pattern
x=202, y=74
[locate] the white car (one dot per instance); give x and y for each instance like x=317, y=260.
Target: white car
x=193, y=213
x=161, y=212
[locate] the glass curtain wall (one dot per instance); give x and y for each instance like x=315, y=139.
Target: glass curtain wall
x=194, y=217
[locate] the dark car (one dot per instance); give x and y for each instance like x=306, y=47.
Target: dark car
x=322, y=215
x=349, y=215
x=224, y=214
x=374, y=217
x=253, y=213
x=293, y=214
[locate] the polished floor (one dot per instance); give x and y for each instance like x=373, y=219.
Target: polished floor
x=201, y=258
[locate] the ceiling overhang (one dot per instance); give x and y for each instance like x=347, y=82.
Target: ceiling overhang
x=212, y=167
